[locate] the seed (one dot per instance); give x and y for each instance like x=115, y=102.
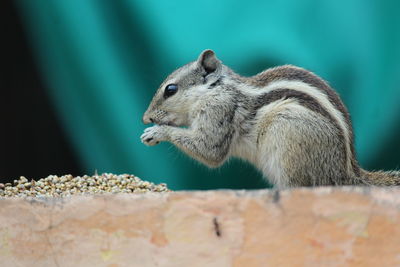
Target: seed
x=21, y=186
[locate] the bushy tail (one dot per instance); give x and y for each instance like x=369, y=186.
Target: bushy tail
x=381, y=178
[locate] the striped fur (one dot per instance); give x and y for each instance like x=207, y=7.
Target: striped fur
x=315, y=95
x=286, y=121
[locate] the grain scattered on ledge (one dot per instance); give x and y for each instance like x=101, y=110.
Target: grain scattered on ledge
x=67, y=185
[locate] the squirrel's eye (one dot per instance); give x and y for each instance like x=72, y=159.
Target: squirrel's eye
x=170, y=90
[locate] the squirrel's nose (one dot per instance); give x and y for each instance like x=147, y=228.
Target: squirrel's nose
x=147, y=119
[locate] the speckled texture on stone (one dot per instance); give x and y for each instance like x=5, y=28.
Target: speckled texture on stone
x=302, y=227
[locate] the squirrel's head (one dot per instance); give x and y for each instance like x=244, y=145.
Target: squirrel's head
x=182, y=89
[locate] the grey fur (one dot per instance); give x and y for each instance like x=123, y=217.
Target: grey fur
x=297, y=135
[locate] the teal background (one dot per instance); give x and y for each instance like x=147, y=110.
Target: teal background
x=103, y=60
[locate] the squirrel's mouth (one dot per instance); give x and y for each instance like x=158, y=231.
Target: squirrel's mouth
x=173, y=124
x=169, y=123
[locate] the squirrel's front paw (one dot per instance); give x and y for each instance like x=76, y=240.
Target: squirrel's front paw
x=153, y=135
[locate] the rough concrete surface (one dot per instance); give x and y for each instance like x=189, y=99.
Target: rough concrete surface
x=302, y=227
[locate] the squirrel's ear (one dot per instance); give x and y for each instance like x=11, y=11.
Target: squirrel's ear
x=208, y=61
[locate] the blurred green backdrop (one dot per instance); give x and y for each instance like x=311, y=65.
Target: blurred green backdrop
x=103, y=60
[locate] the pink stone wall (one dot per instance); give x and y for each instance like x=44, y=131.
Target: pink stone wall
x=303, y=227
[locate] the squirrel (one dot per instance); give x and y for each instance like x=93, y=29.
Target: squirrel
x=286, y=121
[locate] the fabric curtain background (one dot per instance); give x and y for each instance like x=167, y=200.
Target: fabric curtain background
x=103, y=60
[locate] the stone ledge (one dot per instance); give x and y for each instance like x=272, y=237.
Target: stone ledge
x=301, y=227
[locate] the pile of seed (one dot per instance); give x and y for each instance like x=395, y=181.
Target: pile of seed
x=67, y=185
